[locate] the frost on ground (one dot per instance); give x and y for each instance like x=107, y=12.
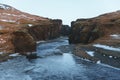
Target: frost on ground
x=107, y=47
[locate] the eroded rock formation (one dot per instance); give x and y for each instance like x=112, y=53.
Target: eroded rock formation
x=19, y=31
x=103, y=31
x=46, y=31
x=89, y=30
x=65, y=30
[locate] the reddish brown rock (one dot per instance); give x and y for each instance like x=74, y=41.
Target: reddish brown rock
x=45, y=31
x=89, y=30
x=19, y=31
x=23, y=42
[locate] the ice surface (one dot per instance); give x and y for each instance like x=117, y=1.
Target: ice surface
x=56, y=67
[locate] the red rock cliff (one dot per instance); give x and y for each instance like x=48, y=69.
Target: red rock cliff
x=19, y=31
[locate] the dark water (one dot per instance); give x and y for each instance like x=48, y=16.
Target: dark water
x=56, y=65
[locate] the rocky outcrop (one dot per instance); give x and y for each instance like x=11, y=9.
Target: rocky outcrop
x=23, y=42
x=65, y=30
x=104, y=31
x=19, y=31
x=16, y=40
x=46, y=31
x=90, y=30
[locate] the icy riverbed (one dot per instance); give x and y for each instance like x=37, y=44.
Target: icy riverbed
x=55, y=64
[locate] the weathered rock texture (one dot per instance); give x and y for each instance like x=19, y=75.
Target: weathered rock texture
x=65, y=30
x=46, y=31
x=19, y=31
x=89, y=30
x=105, y=30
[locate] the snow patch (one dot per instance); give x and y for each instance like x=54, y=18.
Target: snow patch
x=4, y=20
x=110, y=56
x=107, y=47
x=115, y=36
x=30, y=25
x=98, y=62
x=3, y=6
x=1, y=53
x=6, y=14
x=42, y=41
x=14, y=55
x=91, y=53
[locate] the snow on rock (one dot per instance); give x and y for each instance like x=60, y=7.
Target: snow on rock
x=98, y=62
x=30, y=25
x=42, y=41
x=13, y=55
x=110, y=56
x=91, y=53
x=115, y=36
x=4, y=20
x=5, y=13
x=1, y=53
x=6, y=7
x=107, y=47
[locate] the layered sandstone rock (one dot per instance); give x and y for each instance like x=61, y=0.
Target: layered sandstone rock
x=89, y=30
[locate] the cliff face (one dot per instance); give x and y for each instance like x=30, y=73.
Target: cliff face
x=46, y=31
x=65, y=30
x=97, y=37
x=95, y=29
x=19, y=31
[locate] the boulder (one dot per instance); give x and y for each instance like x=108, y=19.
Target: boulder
x=23, y=42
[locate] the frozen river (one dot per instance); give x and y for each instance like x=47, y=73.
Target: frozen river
x=55, y=64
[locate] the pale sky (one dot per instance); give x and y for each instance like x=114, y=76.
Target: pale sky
x=67, y=10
